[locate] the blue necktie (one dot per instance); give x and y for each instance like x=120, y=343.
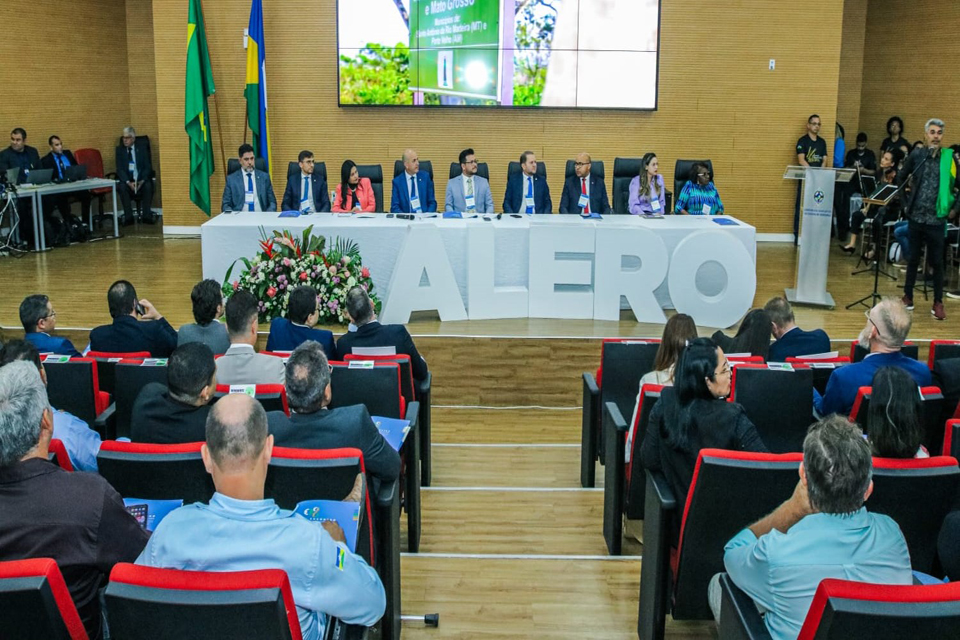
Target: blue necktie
x=250, y=190
x=413, y=190
x=530, y=193
x=60, y=165
x=305, y=194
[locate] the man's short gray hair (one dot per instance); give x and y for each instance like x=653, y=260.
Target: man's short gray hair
x=307, y=377
x=358, y=305
x=23, y=399
x=781, y=314
x=130, y=131
x=838, y=465
x=893, y=322
x=933, y=122
x=235, y=437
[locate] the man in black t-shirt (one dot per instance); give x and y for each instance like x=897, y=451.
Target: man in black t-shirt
x=857, y=158
x=811, y=152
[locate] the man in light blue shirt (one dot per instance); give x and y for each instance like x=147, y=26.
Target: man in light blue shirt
x=822, y=531
x=239, y=530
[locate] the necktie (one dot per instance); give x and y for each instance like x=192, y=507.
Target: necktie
x=530, y=193
x=250, y=190
x=304, y=205
x=60, y=164
x=413, y=189
x=472, y=204
x=583, y=190
x=130, y=161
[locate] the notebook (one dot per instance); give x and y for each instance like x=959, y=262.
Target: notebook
x=75, y=172
x=41, y=176
x=394, y=431
x=345, y=514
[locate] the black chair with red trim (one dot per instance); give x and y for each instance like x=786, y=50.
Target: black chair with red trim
x=73, y=385
x=623, y=361
x=411, y=392
x=57, y=454
x=147, y=602
x=729, y=491
x=624, y=481
x=778, y=400
x=132, y=375
x=917, y=493
x=273, y=397
x=931, y=406
x=842, y=609
x=941, y=350
x=295, y=475
x=107, y=363
x=821, y=368
x=858, y=353
x=951, y=438
x=35, y=603
x=155, y=471
x=378, y=386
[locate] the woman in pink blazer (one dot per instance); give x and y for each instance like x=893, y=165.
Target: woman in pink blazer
x=354, y=194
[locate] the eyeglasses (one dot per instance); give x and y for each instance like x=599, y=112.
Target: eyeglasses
x=875, y=326
x=580, y=164
x=52, y=314
x=727, y=370
x=703, y=175
x=470, y=162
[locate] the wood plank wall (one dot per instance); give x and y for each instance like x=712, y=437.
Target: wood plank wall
x=717, y=99
x=142, y=83
x=851, y=69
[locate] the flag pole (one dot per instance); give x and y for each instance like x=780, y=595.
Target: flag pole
x=216, y=103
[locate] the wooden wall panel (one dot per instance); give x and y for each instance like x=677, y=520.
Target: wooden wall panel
x=909, y=68
x=64, y=72
x=143, y=79
x=851, y=69
x=717, y=99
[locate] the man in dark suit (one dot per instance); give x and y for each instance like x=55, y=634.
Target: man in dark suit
x=59, y=159
x=371, y=333
x=526, y=191
x=137, y=325
x=412, y=189
x=39, y=320
x=312, y=426
x=177, y=412
x=248, y=189
x=286, y=334
x=584, y=193
x=135, y=174
x=20, y=154
x=791, y=340
x=306, y=192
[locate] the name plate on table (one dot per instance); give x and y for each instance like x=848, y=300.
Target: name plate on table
x=249, y=389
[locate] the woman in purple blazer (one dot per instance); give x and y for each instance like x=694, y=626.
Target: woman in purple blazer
x=647, y=191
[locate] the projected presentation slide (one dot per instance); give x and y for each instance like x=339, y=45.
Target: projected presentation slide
x=509, y=53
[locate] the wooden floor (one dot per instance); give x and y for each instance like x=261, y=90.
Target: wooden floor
x=511, y=547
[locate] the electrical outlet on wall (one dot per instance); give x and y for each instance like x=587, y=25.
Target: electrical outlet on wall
x=773, y=64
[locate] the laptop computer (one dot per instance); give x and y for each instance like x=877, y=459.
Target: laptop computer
x=13, y=173
x=75, y=172
x=40, y=176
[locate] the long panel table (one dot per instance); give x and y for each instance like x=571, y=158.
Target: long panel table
x=36, y=193
x=383, y=242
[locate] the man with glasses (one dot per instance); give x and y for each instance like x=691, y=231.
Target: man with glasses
x=887, y=327
x=468, y=193
x=39, y=320
x=306, y=191
x=811, y=152
x=135, y=174
x=584, y=192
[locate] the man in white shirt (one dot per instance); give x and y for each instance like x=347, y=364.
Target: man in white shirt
x=468, y=192
x=248, y=189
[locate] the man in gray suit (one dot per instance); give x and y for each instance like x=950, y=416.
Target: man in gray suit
x=241, y=364
x=248, y=189
x=468, y=193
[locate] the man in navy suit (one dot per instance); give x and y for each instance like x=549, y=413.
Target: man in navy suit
x=39, y=320
x=584, y=193
x=306, y=192
x=791, y=340
x=248, y=189
x=526, y=191
x=888, y=325
x=412, y=189
x=135, y=175
x=286, y=334
x=371, y=333
x=133, y=328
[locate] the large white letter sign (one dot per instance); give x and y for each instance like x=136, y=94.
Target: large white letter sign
x=572, y=273
x=484, y=300
x=422, y=253
x=637, y=284
x=733, y=300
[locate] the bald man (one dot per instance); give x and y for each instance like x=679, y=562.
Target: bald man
x=412, y=189
x=584, y=192
x=240, y=530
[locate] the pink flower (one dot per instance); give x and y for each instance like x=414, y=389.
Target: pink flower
x=286, y=262
x=271, y=292
x=365, y=272
x=236, y=285
x=333, y=268
x=303, y=276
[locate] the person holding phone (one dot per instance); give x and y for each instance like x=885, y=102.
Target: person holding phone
x=354, y=194
x=647, y=191
x=137, y=325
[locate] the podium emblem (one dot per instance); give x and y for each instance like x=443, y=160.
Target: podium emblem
x=818, y=196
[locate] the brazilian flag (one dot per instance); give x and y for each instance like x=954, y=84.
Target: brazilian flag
x=196, y=114
x=256, y=90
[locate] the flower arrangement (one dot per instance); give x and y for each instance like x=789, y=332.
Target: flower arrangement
x=286, y=261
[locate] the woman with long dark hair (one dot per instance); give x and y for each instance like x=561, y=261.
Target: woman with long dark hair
x=647, y=193
x=893, y=421
x=354, y=194
x=752, y=337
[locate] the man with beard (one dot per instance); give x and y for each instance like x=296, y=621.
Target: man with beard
x=888, y=325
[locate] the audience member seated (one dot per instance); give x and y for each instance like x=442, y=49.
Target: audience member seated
x=647, y=193
x=134, y=176
x=791, y=340
x=58, y=160
x=354, y=194
x=240, y=530
x=526, y=191
x=948, y=546
x=307, y=191
x=39, y=320
x=412, y=189
x=822, y=531
x=241, y=364
x=370, y=333
x=752, y=337
x=468, y=192
x=81, y=442
x=893, y=422
x=137, y=325
x=303, y=313
x=888, y=324
x=312, y=426
x=177, y=412
x=699, y=196
x=248, y=189
x=584, y=183
x=75, y=518
x=207, y=299
x=694, y=415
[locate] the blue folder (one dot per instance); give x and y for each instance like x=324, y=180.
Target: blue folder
x=394, y=431
x=345, y=514
x=289, y=214
x=726, y=222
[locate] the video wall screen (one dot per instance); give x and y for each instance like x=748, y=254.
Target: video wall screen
x=499, y=53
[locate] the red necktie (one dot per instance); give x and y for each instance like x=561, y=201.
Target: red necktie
x=583, y=190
